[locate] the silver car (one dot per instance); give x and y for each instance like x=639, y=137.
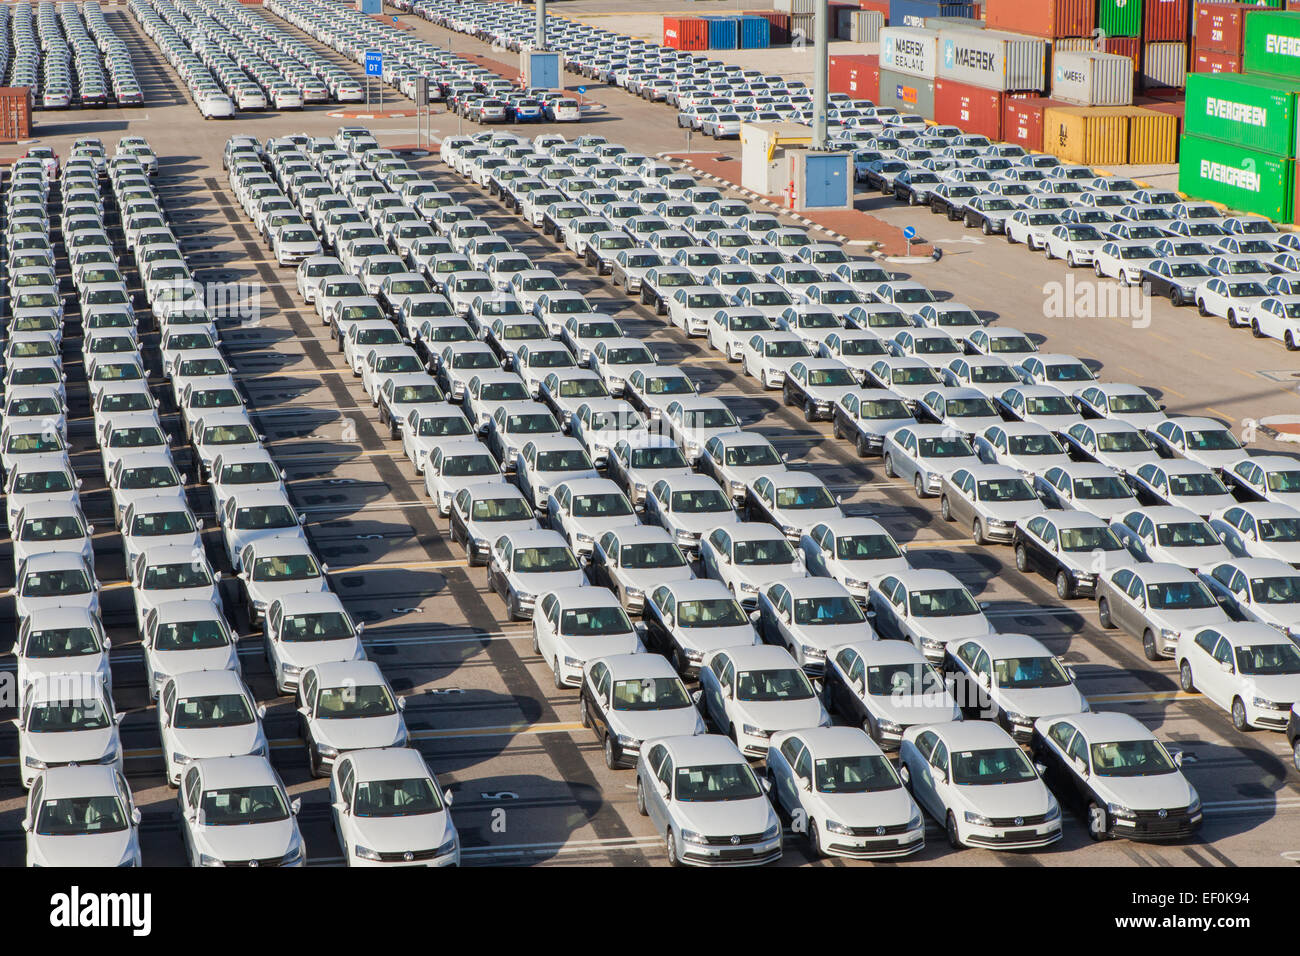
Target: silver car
x=1157, y=603
x=990, y=499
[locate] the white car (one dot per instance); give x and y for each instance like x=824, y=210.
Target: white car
x=54, y=527
x=885, y=687
x=750, y=692
x=1231, y=298
x=843, y=794
x=1249, y=669
x=1258, y=589
x=574, y=625
x=728, y=328
x=852, y=551
x=1274, y=478
x=548, y=462
x=928, y=607
x=347, y=705
x=1171, y=534
x=68, y=720
x=251, y=514
x=83, y=817
x=182, y=636
x=1203, y=440
x=525, y=564
x=59, y=641
x=767, y=356
x=1123, y=261
x=1076, y=244
x=978, y=784
x=746, y=557
x=235, y=812
x=54, y=580
x=632, y=561
x=208, y=714
x=307, y=628
x=581, y=509
x=167, y=573
x=1027, y=447
x=1260, y=529
x=1157, y=603
x=1187, y=484
x=808, y=616
x=274, y=567
x=388, y=808
x=627, y=699
x=1126, y=403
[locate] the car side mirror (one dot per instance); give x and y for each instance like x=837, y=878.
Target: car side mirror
x=117, y=716
x=340, y=807
x=296, y=806
x=136, y=816
x=985, y=681
x=27, y=823
x=302, y=519
x=401, y=703
x=1080, y=765
x=662, y=788
x=1041, y=768
x=1226, y=667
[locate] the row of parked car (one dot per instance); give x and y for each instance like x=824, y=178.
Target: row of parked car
x=64, y=59
x=213, y=743
x=406, y=254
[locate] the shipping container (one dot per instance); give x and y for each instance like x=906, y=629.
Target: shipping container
x=1090, y=136
x=801, y=27
x=724, y=32
x=795, y=7
x=1164, y=64
x=1073, y=45
x=1164, y=20
x=914, y=13
x=842, y=21
x=910, y=50
x=1272, y=43
x=992, y=59
x=1220, y=27
x=778, y=25
x=943, y=23
x=907, y=94
x=858, y=75
x=1022, y=120
x=880, y=6
x=1212, y=61
x=975, y=109
x=686, y=33
x=1120, y=18
x=1172, y=108
x=1248, y=180
x=1256, y=112
x=1093, y=79
x=755, y=32
x=1130, y=47
x=867, y=25
x=15, y=113
x=1152, y=136
x=1043, y=18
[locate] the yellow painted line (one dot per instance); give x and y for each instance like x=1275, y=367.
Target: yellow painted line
x=1140, y=697
x=1008, y=275
x=1174, y=391
x=1135, y=375
x=1162, y=338
x=1250, y=375
x=400, y=566
x=1214, y=411
x=307, y=372
x=1201, y=354
x=941, y=543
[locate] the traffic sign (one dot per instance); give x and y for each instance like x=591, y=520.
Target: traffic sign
x=909, y=233
x=582, y=89
x=374, y=63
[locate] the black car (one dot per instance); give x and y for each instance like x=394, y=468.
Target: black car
x=1176, y=281
x=914, y=186
x=950, y=199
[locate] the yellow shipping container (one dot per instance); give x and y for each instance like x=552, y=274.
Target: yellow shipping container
x=1152, y=136
x=1087, y=135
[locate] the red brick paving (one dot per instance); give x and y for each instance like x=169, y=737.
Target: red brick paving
x=855, y=224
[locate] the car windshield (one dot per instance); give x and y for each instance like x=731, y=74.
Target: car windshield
x=62, y=642
x=865, y=773
x=661, y=456
x=706, y=501
x=1279, y=529
x=1029, y=672
x=162, y=523
x=1185, y=534
x=832, y=378
x=292, y=567
x=942, y=602
x=766, y=297
x=51, y=529
x=67, y=716
x=1050, y=405
x=1122, y=442
x=239, y=806
x=1130, y=758
x=650, y=693
x=532, y=423
x=1179, y=596
x=1284, y=482
x=1125, y=404
x=776, y=684
x=219, y=710
x=752, y=456
x=1035, y=445
x=1004, y=489
x=1196, y=484
x=354, y=701
x=190, y=635
x=168, y=577
x=573, y=459
x=906, y=680
x=1277, y=590
x=717, y=782
x=1263, y=660
x=710, y=418
x=669, y=385
x=537, y=560
x=74, y=816
x=265, y=517
x=1089, y=539
x=644, y=556
x=980, y=768
x=713, y=612
x=474, y=360
x=50, y=584
x=593, y=621
x=945, y=447
x=827, y=610
x=396, y=798
x=803, y=497
x=612, y=504
x=786, y=349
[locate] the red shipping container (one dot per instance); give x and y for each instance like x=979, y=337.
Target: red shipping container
x=973, y=109
x=1043, y=18
x=1215, y=61
x=686, y=33
x=1221, y=26
x=1022, y=120
x=857, y=75
x=1164, y=20
x=1130, y=47
x=880, y=6
x=15, y=113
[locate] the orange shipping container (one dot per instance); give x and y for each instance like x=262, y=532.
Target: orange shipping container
x=858, y=75
x=15, y=113
x=1043, y=18
x=686, y=33
x=1130, y=47
x=1022, y=120
x=1213, y=61
x=971, y=108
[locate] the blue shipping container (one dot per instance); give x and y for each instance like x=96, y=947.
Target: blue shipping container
x=755, y=33
x=912, y=13
x=723, y=32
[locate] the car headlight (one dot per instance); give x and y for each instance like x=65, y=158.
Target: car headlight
x=573, y=662
x=930, y=643
x=833, y=826
x=1168, y=634
x=448, y=847
x=294, y=856
x=772, y=832
x=692, y=449
x=685, y=537
x=694, y=657
x=205, y=860
x=181, y=758
x=916, y=822
x=690, y=836
x=749, y=588
x=291, y=670
x=1053, y=812
x=639, y=487
x=327, y=751
x=365, y=853
x=1194, y=807
x=753, y=731
x=738, y=489
x=978, y=819
x=889, y=726
x=33, y=763
x=1263, y=703
x=635, y=593
x=856, y=583
x=1015, y=718
x=1121, y=812
x=815, y=653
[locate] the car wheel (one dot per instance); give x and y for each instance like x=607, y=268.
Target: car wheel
x=558, y=677
x=584, y=714
x=1047, y=251
x=815, y=840
x=1064, y=589
x=1096, y=269
x=1291, y=342
x=1254, y=329
x=1185, y=678
x=1200, y=307
x=918, y=487
x=836, y=430
x=670, y=844
x=954, y=840
x=611, y=755
x=1097, y=823
x=889, y=466
x=313, y=761
x=1103, y=615
x=977, y=531
x=1149, y=645
x=809, y=410
x=1069, y=260
x=1022, y=558
x=861, y=444
x=640, y=797
x=828, y=699
x=986, y=228
x=1011, y=240
x=945, y=509
x=731, y=734
x=869, y=728
x=679, y=661
x=1239, y=715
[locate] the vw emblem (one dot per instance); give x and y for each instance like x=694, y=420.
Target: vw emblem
x=1162, y=814
x=408, y=856
x=1020, y=821
x=735, y=841
x=252, y=863
x=880, y=831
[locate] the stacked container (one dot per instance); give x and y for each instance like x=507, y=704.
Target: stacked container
x=975, y=110
x=857, y=75
x=910, y=50
x=778, y=24
x=686, y=33
x=724, y=32
x=914, y=13
x=755, y=33
x=1043, y=18
x=1022, y=120
x=1120, y=18
x=1090, y=137
x=1093, y=79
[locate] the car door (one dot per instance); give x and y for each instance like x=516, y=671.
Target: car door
x=596, y=690
x=782, y=761
x=655, y=807
x=937, y=774
x=1133, y=608
x=1205, y=667
x=546, y=626
x=663, y=793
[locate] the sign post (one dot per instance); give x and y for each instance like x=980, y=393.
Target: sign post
x=374, y=67
x=581, y=90
x=909, y=233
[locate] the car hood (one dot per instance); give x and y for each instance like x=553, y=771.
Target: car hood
x=949, y=629
x=649, y=724
x=1202, y=504
x=1012, y=510
x=1104, y=508
x=81, y=746
x=647, y=579
x=699, y=523
x=1201, y=557
x=808, y=517
x=1029, y=798
x=423, y=831
x=271, y=590
x=1188, y=620
x=539, y=582
x=83, y=849
x=1276, y=687
x=1043, y=701
x=831, y=635
x=929, y=708
x=723, y=817
x=1215, y=459
x=1166, y=791
x=208, y=659
x=250, y=841
x=588, y=648
x=491, y=530
x=779, y=714
x=707, y=639
x=218, y=741
x=354, y=733
x=883, y=426
x=883, y=808
x=1123, y=460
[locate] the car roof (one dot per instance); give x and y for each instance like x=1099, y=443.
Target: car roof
x=1251, y=632
x=832, y=741
x=79, y=781
x=586, y=597
x=248, y=771
x=920, y=578
x=1161, y=572
x=388, y=763
x=752, y=656
x=338, y=673
x=702, y=749
x=535, y=538
x=630, y=666
x=208, y=682
x=1104, y=726
x=972, y=735
x=999, y=644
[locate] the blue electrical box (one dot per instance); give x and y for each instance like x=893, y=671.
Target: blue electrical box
x=823, y=180
x=370, y=6
x=541, y=70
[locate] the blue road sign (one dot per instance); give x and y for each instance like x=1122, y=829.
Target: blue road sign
x=582, y=89
x=374, y=63
x=909, y=232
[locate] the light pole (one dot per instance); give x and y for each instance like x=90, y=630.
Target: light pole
x=821, y=67
x=539, y=40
